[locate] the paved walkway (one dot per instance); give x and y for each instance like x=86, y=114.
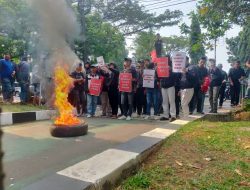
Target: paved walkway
x=31, y=153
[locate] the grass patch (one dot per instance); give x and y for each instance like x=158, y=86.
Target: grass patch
x=201, y=155
x=20, y=108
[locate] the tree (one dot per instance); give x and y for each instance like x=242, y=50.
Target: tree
x=102, y=39
x=237, y=11
x=196, y=48
x=144, y=44
x=215, y=26
x=233, y=48
x=175, y=43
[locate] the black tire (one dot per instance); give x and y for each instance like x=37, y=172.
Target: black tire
x=69, y=131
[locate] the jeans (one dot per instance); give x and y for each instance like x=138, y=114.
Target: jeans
x=152, y=98
x=168, y=96
x=127, y=103
x=24, y=95
x=91, y=104
x=197, y=101
x=235, y=94
x=7, y=89
x=213, y=98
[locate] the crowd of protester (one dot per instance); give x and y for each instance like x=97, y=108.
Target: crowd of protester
x=184, y=91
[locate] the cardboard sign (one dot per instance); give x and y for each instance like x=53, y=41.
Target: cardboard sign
x=95, y=87
x=100, y=61
x=125, y=82
x=148, y=78
x=179, y=61
x=162, y=67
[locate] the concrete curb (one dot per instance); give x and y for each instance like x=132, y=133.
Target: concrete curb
x=10, y=118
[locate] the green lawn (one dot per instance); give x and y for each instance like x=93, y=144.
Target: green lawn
x=202, y=155
x=20, y=108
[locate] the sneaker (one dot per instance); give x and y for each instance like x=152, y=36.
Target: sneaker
x=156, y=117
x=164, y=119
x=178, y=117
x=146, y=117
x=123, y=117
x=88, y=116
x=172, y=119
x=128, y=118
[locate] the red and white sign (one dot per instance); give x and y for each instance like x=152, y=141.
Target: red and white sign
x=148, y=78
x=179, y=61
x=162, y=67
x=95, y=87
x=125, y=82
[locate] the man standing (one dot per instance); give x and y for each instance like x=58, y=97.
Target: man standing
x=23, y=77
x=127, y=97
x=248, y=78
x=199, y=96
x=7, y=73
x=216, y=81
x=236, y=74
x=223, y=86
x=158, y=45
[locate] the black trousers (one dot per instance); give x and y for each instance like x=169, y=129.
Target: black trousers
x=140, y=100
x=235, y=94
x=113, y=94
x=222, y=94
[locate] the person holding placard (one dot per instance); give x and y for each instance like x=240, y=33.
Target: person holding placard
x=93, y=92
x=151, y=84
x=127, y=87
x=168, y=94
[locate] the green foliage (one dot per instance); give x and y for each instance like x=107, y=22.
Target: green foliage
x=144, y=44
x=196, y=48
x=233, y=48
x=175, y=43
x=139, y=181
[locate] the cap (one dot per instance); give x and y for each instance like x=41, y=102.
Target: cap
x=94, y=65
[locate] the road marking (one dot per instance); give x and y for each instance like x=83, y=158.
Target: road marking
x=99, y=166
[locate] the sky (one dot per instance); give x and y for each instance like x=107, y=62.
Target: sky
x=168, y=31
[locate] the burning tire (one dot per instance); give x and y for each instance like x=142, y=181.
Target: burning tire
x=69, y=131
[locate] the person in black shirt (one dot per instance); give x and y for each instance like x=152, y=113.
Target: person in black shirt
x=158, y=45
x=215, y=84
x=79, y=97
x=113, y=91
x=223, y=86
x=236, y=74
x=199, y=97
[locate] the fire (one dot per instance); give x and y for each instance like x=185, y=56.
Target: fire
x=63, y=84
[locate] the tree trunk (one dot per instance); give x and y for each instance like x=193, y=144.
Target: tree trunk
x=215, y=49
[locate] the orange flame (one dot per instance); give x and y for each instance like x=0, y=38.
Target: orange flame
x=64, y=83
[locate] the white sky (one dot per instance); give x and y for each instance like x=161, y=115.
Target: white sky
x=168, y=31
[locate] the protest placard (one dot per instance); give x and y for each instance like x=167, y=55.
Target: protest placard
x=125, y=82
x=100, y=61
x=95, y=87
x=148, y=78
x=162, y=67
x=179, y=61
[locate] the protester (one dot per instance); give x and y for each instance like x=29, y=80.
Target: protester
x=168, y=95
x=79, y=91
x=87, y=67
x=223, y=86
x=158, y=45
x=7, y=73
x=199, y=95
x=187, y=84
x=236, y=75
x=127, y=97
x=152, y=95
x=106, y=75
x=139, y=94
x=91, y=99
x=216, y=82
x=248, y=79
x=23, y=77
x=113, y=91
